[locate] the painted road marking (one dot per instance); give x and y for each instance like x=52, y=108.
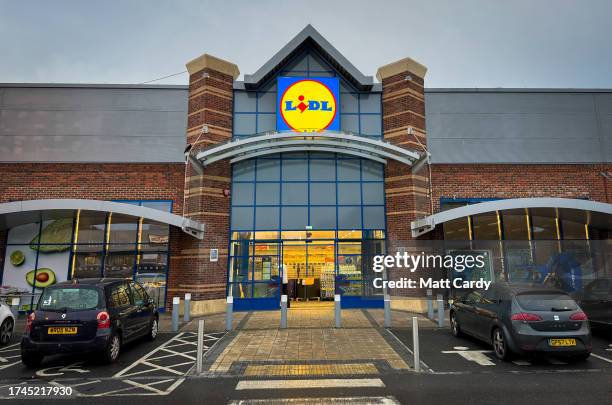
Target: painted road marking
x=601, y=358
x=315, y=401
x=15, y=347
x=477, y=356
x=425, y=366
x=61, y=370
x=301, y=384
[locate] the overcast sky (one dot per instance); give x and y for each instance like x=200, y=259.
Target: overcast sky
x=476, y=43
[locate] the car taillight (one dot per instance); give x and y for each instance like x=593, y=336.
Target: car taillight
x=526, y=317
x=30, y=318
x=103, y=320
x=579, y=316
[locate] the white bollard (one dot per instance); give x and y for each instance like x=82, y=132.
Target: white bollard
x=187, y=309
x=415, y=344
x=200, y=346
x=176, y=302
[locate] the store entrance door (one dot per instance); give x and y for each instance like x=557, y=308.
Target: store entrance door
x=311, y=269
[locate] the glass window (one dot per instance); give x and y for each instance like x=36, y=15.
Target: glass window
x=87, y=262
x=294, y=218
x=139, y=294
x=372, y=171
x=544, y=224
x=485, y=227
x=70, y=299
x=515, y=225
x=165, y=206
x=266, y=218
x=457, y=229
x=119, y=264
x=349, y=217
x=322, y=169
x=243, y=193
x=155, y=233
x=268, y=170
x=91, y=227
x=295, y=169
x=268, y=194
x=242, y=218
x=123, y=229
x=573, y=230
x=295, y=193
x=244, y=171
x=323, y=217
x=373, y=193
x=373, y=217
x=120, y=296
x=323, y=193
x=349, y=170
x=349, y=194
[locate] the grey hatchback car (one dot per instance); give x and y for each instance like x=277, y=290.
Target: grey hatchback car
x=523, y=319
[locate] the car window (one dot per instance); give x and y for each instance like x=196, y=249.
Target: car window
x=69, y=299
x=546, y=302
x=140, y=295
x=472, y=298
x=489, y=295
x=120, y=296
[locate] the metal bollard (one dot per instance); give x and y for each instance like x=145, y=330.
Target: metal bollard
x=187, y=308
x=415, y=344
x=200, y=346
x=430, y=311
x=229, y=308
x=283, y=323
x=440, y=311
x=176, y=301
x=15, y=301
x=338, y=311
x=387, y=311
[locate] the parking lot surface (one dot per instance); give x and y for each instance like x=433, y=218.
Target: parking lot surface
x=441, y=352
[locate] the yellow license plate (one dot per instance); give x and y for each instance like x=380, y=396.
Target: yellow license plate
x=562, y=342
x=64, y=330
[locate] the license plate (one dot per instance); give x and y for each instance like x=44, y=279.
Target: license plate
x=562, y=342
x=64, y=330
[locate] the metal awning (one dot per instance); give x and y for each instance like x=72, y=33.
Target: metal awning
x=327, y=141
x=23, y=212
x=594, y=213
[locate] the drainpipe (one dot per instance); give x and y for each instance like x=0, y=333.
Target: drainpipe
x=606, y=176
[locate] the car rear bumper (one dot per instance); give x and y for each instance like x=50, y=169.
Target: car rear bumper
x=48, y=348
x=540, y=344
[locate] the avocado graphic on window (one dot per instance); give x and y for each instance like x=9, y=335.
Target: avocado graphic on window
x=17, y=258
x=44, y=277
x=55, y=237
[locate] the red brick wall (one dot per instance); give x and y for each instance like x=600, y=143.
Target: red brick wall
x=207, y=194
x=129, y=181
x=519, y=181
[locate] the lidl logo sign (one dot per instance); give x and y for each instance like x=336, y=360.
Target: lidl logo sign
x=308, y=104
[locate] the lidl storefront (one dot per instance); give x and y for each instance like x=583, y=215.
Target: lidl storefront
x=295, y=177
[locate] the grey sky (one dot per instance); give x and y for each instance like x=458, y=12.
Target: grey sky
x=476, y=43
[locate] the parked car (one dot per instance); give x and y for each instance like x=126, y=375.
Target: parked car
x=7, y=324
x=523, y=320
x=88, y=315
x=596, y=301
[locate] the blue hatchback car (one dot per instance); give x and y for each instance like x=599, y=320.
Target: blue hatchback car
x=88, y=315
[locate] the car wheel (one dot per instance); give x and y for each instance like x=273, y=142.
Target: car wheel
x=31, y=360
x=154, y=329
x=113, y=348
x=500, y=346
x=6, y=331
x=455, y=329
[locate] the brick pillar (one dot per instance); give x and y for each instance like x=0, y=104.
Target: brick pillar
x=209, y=122
x=407, y=192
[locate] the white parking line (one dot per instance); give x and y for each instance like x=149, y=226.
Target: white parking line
x=301, y=384
x=601, y=358
x=312, y=401
x=410, y=351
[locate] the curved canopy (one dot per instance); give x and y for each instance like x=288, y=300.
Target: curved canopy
x=598, y=213
x=335, y=142
x=22, y=212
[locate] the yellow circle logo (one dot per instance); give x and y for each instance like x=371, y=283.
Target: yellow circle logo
x=308, y=106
